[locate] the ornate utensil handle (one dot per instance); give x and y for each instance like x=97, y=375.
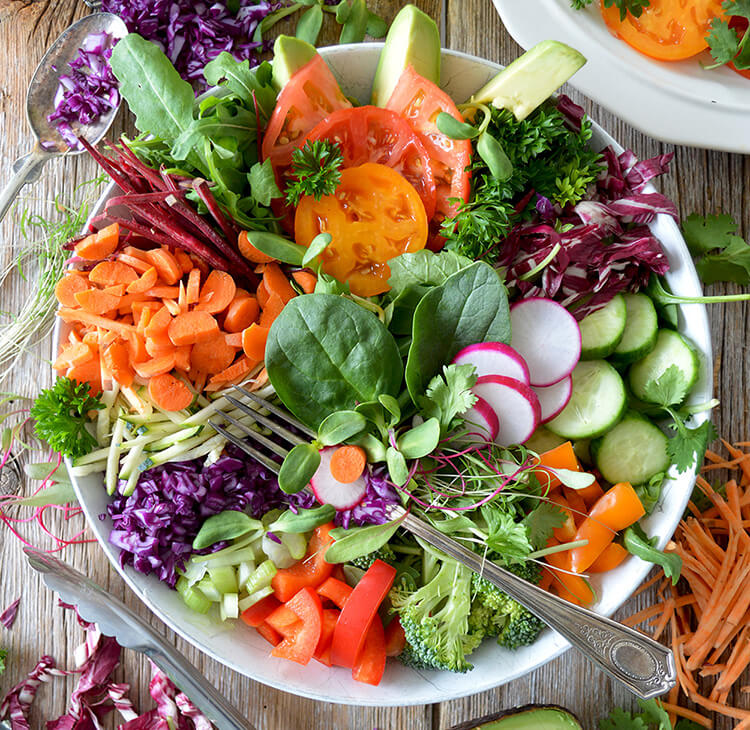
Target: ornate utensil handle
x=643, y=665
x=26, y=169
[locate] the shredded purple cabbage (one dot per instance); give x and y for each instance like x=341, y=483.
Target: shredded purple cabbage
x=8, y=616
x=194, y=33
x=155, y=526
x=602, y=245
x=88, y=90
x=373, y=509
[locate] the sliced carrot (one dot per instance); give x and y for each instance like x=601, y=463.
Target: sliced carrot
x=158, y=327
x=348, y=463
x=306, y=280
x=610, y=558
x=254, y=342
x=273, y=308
x=96, y=301
x=277, y=283
x=192, y=327
x=193, y=286
x=241, y=313
x=262, y=294
x=135, y=263
x=155, y=366
x=99, y=245
x=146, y=281
x=250, y=252
x=235, y=372
x=70, y=285
x=115, y=290
x=169, y=393
x=109, y=273
x=76, y=353
x=184, y=260
x=136, y=344
x=183, y=358
x=161, y=291
x=213, y=355
x=234, y=339
x=117, y=360
x=172, y=307
x=182, y=299
x=157, y=349
x=217, y=292
x=88, y=372
x=169, y=270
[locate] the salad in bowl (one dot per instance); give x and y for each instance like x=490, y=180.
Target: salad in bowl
x=462, y=294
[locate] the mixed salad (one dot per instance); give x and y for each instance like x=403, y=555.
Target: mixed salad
x=674, y=31
x=462, y=302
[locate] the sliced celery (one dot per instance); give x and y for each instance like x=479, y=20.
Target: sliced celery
x=253, y=598
x=262, y=577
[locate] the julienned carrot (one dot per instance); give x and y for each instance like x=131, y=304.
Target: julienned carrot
x=233, y=374
x=163, y=292
x=169, y=393
x=108, y=273
x=241, y=313
x=70, y=285
x=78, y=315
x=99, y=245
x=254, y=342
x=193, y=286
x=192, y=327
x=184, y=260
x=217, y=292
x=233, y=339
x=348, y=463
x=306, y=280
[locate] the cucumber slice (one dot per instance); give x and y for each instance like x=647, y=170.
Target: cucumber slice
x=641, y=327
x=633, y=451
x=597, y=403
x=543, y=440
x=671, y=348
x=602, y=331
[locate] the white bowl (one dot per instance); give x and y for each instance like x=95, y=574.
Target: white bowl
x=675, y=101
x=245, y=651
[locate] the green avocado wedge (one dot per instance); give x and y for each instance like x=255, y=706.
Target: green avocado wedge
x=531, y=79
x=289, y=56
x=413, y=40
x=530, y=717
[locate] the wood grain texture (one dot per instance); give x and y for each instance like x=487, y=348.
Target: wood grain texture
x=701, y=181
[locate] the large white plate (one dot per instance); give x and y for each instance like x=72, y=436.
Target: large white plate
x=674, y=101
x=243, y=650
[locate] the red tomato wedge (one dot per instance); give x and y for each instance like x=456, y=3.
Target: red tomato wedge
x=371, y=134
x=419, y=101
x=669, y=30
x=739, y=25
x=358, y=613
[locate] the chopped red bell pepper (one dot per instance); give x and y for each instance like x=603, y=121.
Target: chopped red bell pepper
x=312, y=570
x=300, y=642
x=283, y=620
x=260, y=611
x=395, y=638
x=358, y=613
x=269, y=633
x=323, y=649
x=335, y=591
x=370, y=664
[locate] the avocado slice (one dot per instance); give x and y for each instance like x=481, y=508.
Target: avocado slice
x=530, y=717
x=524, y=84
x=289, y=56
x=413, y=39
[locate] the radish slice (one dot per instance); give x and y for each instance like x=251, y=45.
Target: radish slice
x=515, y=404
x=328, y=490
x=548, y=338
x=554, y=397
x=481, y=423
x=494, y=358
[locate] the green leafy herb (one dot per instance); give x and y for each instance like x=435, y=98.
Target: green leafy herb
x=226, y=525
x=3, y=655
x=651, y=717
x=721, y=254
x=634, y=7
x=728, y=45
x=303, y=520
x=61, y=415
x=298, y=468
x=637, y=543
x=669, y=389
x=262, y=181
x=340, y=426
x=316, y=170
x=504, y=534
x=449, y=395
x=358, y=541
x=541, y=523
x=309, y=24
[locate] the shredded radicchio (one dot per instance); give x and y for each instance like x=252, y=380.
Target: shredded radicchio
x=8, y=616
x=96, y=695
x=373, y=509
x=88, y=90
x=602, y=245
x=194, y=33
x=155, y=526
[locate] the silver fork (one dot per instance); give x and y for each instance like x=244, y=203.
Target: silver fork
x=643, y=665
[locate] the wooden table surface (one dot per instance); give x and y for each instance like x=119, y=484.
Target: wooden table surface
x=701, y=181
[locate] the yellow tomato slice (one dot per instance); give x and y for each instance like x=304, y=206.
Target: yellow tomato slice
x=374, y=215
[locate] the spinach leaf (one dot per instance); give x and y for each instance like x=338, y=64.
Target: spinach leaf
x=423, y=268
x=325, y=354
x=470, y=307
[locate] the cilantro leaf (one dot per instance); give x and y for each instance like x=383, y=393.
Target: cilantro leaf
x=731, y=264
x=688, y=444
x=637, y=543
x=504, y=534
x=61, y=415
x=541, y=523
x=3, y=654
x=722, y=42
x=654, y=714
x=668, y=389
x=316, y=170
x=703, y=234
x=620, y=720
x=449, y=395
x=721, y=255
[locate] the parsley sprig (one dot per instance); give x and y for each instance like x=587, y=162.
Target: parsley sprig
x=634, y=7
x=316, y=170
x=724, y=42
x=61, y=415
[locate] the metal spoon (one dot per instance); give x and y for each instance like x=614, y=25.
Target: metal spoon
x=40, y=104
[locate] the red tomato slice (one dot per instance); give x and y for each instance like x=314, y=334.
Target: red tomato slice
x=420, y=102
x=358, y=613
x=370, y=134
x=740, y=26
x=299, y=645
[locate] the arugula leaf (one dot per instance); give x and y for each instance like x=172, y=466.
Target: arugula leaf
x=721, y=254
x=688, y=444
x=668, y=389
x=449, y=395
x=262, y=181
x=541, y=523
x=252, y=85
x=504, y=534
x=637, y=543
x=61, y=415
x=316, y=170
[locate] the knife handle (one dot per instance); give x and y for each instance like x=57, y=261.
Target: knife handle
x=200, y=691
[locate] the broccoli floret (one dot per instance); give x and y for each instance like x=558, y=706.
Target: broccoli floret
x=384, y=553
x=435, y=619
x=521, y=628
